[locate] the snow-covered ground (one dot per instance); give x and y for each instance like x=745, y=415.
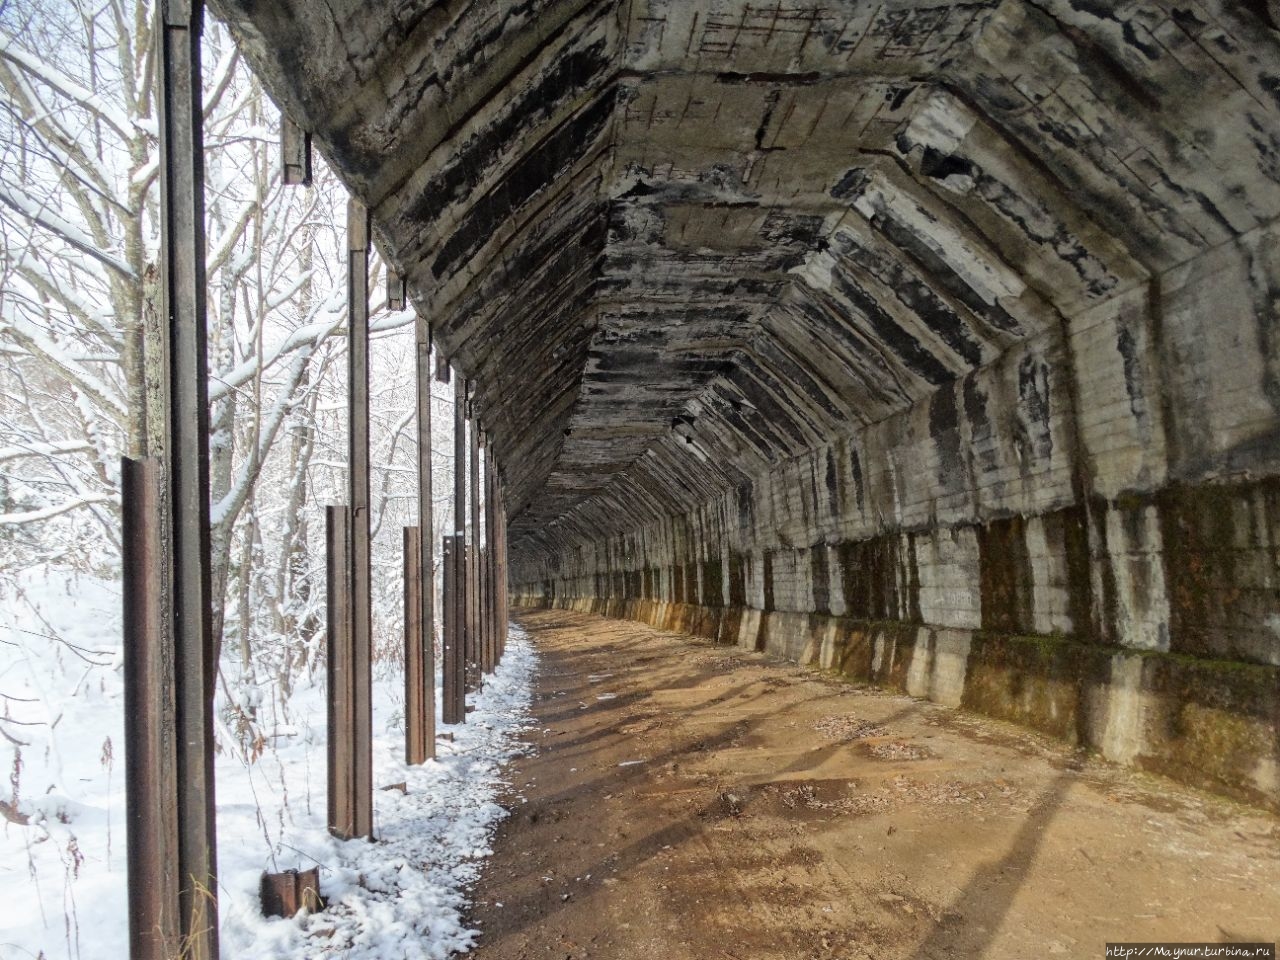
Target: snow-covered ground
x=62, y=877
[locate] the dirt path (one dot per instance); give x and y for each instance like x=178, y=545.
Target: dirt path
x=690, y=802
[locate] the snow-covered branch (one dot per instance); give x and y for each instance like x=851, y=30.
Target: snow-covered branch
x=41, y=215
x=44, y=513
x=53, y=448
x=66, y=87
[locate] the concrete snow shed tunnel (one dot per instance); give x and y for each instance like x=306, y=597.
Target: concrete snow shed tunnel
x=934, y=342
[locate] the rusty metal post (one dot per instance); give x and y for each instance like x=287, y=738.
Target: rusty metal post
x=338, y=664
x=358, y=494
x=499, y=621
x=151, y=784
x=482, y=577
x=490, y=554
x=295, y=154
x=497, y=564
x=460, y=627
x=454, y=703
x=426, y=542
x=475, y=678
x=184, y=512
x=415, y=663
x=468, y=618
x=397, y=293
x=482, y=614
x=284, y=894
x=460, y=522
x=448, y=644
x=504, y=603
x=486, y=610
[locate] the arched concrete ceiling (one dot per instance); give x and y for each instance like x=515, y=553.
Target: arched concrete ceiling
x=676, y=241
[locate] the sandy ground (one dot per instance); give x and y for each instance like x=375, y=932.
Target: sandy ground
x=690, y=802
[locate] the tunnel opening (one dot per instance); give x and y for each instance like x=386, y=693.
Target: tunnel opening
x=932, y=343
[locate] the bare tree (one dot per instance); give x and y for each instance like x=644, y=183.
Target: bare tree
x=80, y=332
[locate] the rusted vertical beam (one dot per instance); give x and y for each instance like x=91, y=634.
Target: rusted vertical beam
x=426, y=542
x=491, y=553
x=459, y=605
x=295, y=154
x=472, y=675
x=397, y=292
x=358, y=496
x=504, y=570
x=482, y=579
x=498, y=623
x=504, y=602
x=469, y=617
x=494, y=548
x=486, y=600
x=185, y=511
x=460, y=622
x=149, y=722
x=415, y=664
x=338, y=664
x=499, y=578
x=460, y=619
x=451, y=712
x=473, y=557
x=486, y=611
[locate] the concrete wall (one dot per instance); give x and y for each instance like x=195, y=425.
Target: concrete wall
x=1081, y=536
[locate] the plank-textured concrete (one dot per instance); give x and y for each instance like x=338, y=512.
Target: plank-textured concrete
x=945, y=327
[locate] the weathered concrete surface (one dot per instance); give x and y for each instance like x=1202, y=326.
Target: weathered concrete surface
x=777, y=815
x=736, y=229
x=960, y=315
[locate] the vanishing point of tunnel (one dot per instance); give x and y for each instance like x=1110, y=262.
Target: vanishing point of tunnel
x=934, y=344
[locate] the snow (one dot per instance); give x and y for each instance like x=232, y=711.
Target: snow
x=62, y=892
